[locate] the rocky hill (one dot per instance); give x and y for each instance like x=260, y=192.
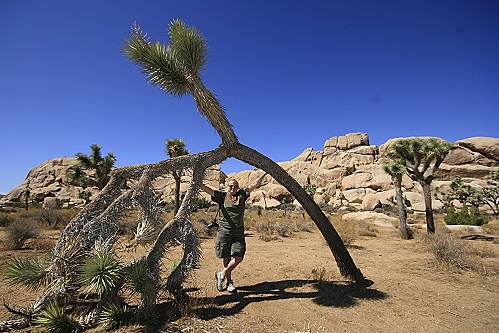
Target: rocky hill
x=346, y=173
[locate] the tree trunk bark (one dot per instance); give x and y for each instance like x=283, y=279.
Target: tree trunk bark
x=404, y=229
x=342, y=256
x=430, y=224
x=177, y=177
x=210, y=107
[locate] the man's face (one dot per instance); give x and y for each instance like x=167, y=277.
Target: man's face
x=233, y=187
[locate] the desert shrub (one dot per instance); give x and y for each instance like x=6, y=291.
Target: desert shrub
x=304, y=226
x=266, y=231
x=189, y=305
x=327, y=208
x=286, y=207
x=465, y=216
x=349, y=231
x=5, y=219
x=200, y=203
x=347, y=234
x=283, y=229
x=386, y=209
x=449, y=250
x=269, y=230
x=68, y=215
x=50, y=217
x=18, y=232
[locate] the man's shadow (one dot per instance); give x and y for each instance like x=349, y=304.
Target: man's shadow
x=324, y=293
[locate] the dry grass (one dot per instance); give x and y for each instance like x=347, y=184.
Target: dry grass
x=272, y=225
x=450, y=252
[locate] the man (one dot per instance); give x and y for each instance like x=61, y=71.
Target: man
x=230, y=244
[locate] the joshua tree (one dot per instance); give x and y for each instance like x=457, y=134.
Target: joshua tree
x=94, y=161
x=491, y=192
x=396, y=169
x=421, y=158
x=174, y=68
x=175, y=148
x=27, y=193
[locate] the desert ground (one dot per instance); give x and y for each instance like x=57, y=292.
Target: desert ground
x=292, y=284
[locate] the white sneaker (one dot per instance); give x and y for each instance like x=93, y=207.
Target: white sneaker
x=220, y=281
x=230, y=287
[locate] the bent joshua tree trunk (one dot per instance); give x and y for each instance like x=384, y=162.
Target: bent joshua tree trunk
x=343, y=259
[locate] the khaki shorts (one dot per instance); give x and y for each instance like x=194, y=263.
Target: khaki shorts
x=230, y=243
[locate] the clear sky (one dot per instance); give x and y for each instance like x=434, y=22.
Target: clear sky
x=291, y=74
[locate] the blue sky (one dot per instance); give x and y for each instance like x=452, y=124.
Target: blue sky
x=291, y=74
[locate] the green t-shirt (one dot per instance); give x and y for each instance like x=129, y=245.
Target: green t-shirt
x=232, y=210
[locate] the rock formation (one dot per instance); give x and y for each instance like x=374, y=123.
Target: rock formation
x=347, y=172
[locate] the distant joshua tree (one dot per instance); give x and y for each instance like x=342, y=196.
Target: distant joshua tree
x=175, y=148
x=94, y=161
x=421, y=158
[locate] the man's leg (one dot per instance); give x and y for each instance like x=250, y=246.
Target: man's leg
x=230, y=263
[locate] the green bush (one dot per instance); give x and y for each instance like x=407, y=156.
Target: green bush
x=200, y=203
x=465, y=216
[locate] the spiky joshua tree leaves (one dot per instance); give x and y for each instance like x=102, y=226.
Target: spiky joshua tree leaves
x=175, y=68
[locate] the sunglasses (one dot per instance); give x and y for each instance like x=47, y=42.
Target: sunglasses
x=233, y=186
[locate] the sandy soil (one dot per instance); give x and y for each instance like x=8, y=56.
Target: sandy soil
x=293, y=285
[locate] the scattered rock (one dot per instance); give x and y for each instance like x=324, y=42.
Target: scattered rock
x=378, y=219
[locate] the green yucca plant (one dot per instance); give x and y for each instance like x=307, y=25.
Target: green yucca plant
x=101, y=273
x=137, y=277
x=31, y=273
x=54, y=319
x=116, y=315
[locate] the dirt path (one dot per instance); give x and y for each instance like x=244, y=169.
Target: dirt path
x=279, y=292
x=293, y=285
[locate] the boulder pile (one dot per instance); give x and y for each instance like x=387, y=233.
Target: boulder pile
x=347, y=173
